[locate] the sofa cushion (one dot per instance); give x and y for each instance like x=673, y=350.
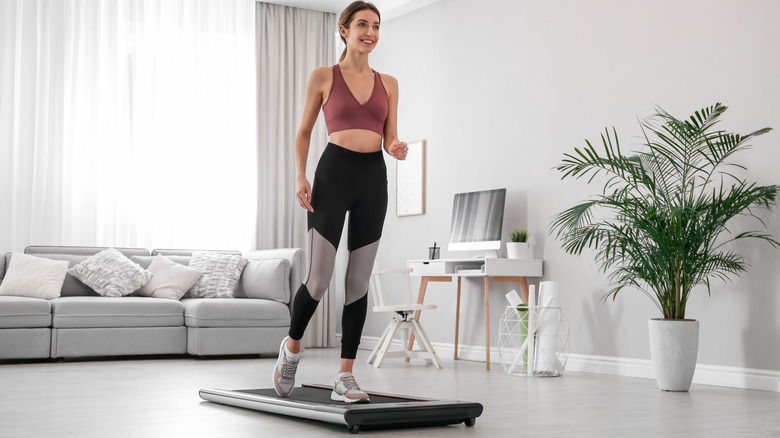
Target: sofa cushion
x=84, y=251
x=268, y=279
x=234, y=312
x=95, y=312
x=75, y=255
x=170, y=280
x=146, y=261
x=110, y=273
x=190, y=252
x=22, y=312
x=34, y=277
x=220, y=274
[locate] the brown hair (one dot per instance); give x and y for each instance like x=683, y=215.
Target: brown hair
x=346, y=18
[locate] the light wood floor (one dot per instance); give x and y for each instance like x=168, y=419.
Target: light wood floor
x=159, y=398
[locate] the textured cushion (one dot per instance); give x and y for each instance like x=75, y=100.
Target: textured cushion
x=220, y=274
x=234, y=312
x=100, y=312
x=22, y=312
x=268, y=279
x=34, y=277
x=169, y=279
x=110, y=273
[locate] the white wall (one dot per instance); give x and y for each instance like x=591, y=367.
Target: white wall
x=502, y=89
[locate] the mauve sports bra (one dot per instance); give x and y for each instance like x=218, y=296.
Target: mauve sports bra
x=343, y=111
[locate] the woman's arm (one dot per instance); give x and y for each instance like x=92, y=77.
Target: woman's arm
x=392, y=145
x=314, y=98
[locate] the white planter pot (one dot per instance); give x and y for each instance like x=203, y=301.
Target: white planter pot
x=674, y=346
x=518, y=250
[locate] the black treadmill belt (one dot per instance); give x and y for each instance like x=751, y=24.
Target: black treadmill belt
x=321, y=396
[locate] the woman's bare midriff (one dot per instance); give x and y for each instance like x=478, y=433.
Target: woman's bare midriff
x=357, y=140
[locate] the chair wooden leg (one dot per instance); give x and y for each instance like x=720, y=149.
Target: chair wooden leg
x=422, y=337
x=420, y=299
x=394, y=325
x=374, y=352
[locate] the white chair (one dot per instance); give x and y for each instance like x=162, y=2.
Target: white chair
x=404, y=320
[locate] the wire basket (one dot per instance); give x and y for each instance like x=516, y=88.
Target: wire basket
x=533, y=341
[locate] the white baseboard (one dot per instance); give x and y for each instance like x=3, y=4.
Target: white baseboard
x=716, y=375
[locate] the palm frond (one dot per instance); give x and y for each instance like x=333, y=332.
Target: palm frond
x=661, y=222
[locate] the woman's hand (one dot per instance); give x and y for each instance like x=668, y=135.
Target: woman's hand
x=304, y=194
x=398, y=150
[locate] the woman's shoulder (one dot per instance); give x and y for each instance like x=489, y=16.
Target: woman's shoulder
x=321, y=76
x=322, y=72
x=389, y=81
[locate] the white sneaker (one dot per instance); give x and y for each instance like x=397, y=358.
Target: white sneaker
x=347, y=390
x=284, y=371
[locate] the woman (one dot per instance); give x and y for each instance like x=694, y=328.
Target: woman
x=360, y=107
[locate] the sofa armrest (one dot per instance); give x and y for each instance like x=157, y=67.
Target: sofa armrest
x=3, y=261
x=297, y=265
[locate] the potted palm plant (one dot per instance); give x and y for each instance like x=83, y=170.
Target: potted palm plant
x=518, y=247
x=662, y=223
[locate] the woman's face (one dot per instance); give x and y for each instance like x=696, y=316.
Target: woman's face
x=363, y=32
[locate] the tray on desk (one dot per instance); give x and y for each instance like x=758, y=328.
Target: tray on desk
x=490, y=267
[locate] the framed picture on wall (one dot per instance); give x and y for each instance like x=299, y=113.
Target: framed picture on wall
x=410, y=181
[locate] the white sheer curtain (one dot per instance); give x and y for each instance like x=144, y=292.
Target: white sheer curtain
x=128, y=123
x=31, y=122
x=291, y=42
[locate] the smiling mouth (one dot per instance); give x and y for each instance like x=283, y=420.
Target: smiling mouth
x=369, y=42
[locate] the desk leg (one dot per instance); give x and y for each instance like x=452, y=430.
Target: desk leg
x=521, y=281
x=487, y=323
x=457, y=320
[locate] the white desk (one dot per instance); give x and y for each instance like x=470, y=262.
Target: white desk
x=500, y=270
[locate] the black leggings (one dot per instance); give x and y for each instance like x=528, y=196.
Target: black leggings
x=345, y=181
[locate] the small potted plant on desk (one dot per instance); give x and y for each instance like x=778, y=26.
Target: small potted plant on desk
x=518, y=247
x=663, y=221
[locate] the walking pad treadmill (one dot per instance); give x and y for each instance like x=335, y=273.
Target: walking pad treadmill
x=385, y=410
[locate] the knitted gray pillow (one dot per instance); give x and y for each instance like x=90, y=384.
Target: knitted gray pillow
x=111, y=274
x=220, y=274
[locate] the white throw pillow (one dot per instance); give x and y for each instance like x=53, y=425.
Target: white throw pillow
x=169, y=279
x=34, y=277
x=220, y=274
x=111, y=274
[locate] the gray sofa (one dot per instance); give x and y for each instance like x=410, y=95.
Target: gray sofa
x=81, y=323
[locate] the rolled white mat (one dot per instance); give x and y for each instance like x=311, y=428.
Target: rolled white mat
x=549, y=289
x=532, y=310
x=513, y=298
x=547, y=362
